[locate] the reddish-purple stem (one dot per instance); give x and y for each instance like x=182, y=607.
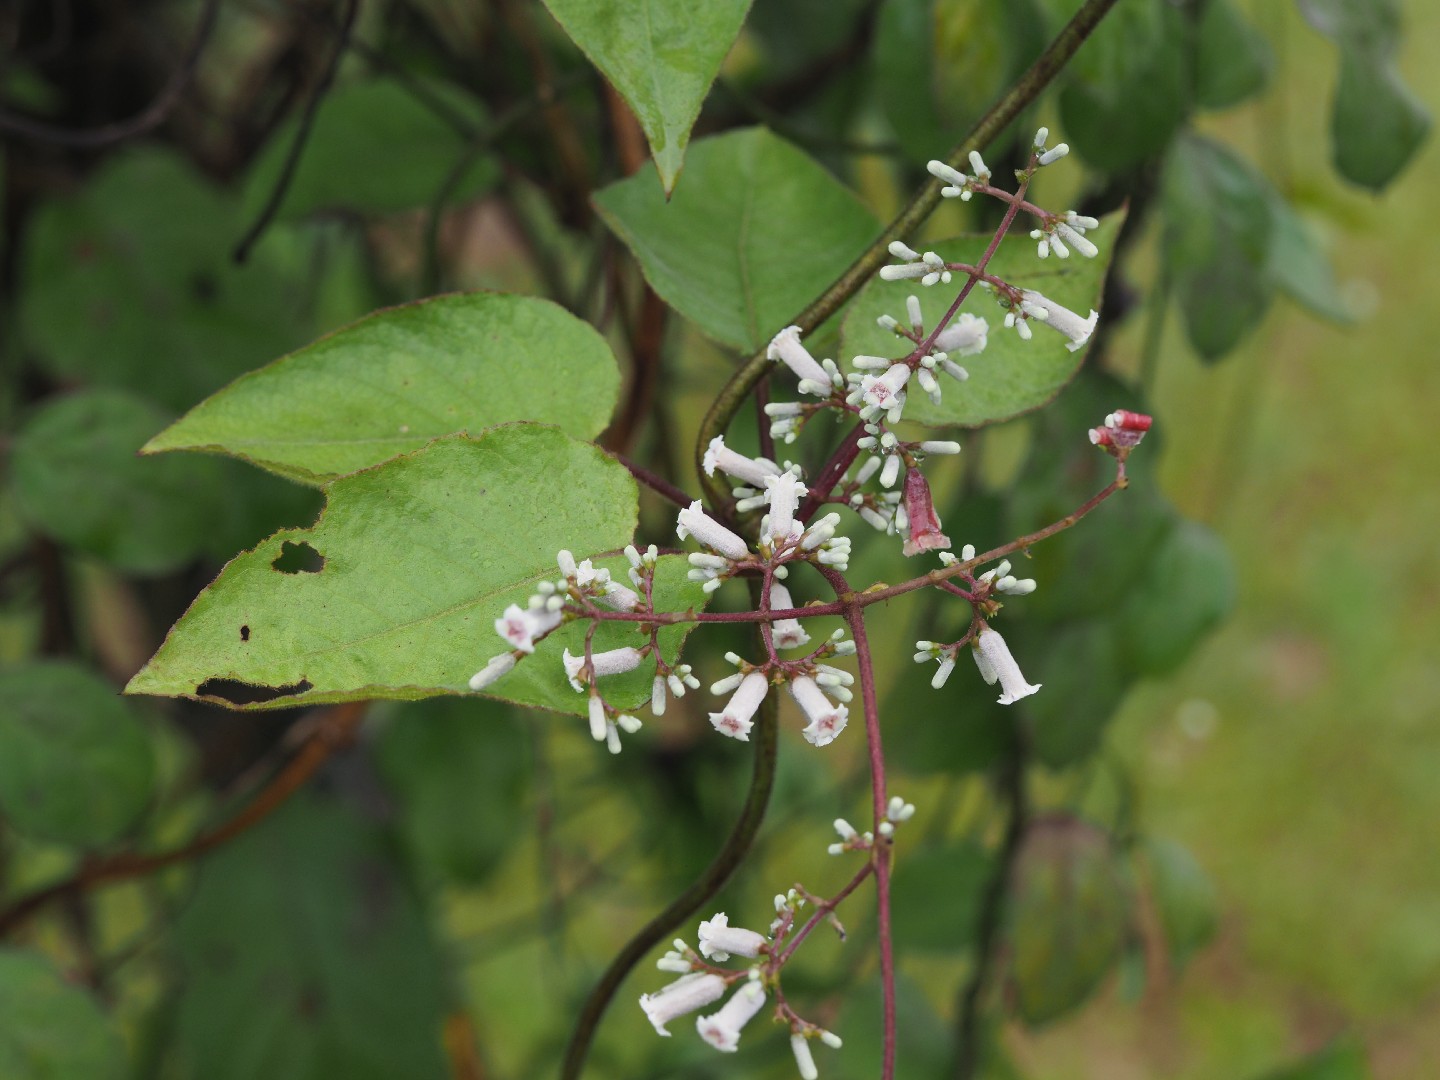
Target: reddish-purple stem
x=657, y=484
x=822, y=911
x=854, y=613
x=845, y=453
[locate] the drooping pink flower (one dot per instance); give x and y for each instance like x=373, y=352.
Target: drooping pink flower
x=925, y=534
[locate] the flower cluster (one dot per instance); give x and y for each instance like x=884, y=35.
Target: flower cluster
x=992, y=655
x=702, y=982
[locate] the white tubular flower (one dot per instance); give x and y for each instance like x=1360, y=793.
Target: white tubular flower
x=964, y=335
x=497, y=668
x=784, y=492
x=693, y=521
x=947, y=665
x=722, y=1029
x=682, y=996
x=736, y=721
x=912, y=310
x=891, y=472
x=978, y=167
x=826, y=720
x=657, y=696
x=1061, y=318
x=719, y=940
x=901, y=250
x=804, y=1060
x=785, y=346
x=993, y=658
x=521, y=626
x=611, y=662
x=785, y=633
x=752, y=471
x=883, y=390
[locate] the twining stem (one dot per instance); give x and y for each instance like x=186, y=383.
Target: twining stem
x=337, y=727
x=765, y=736
x=1015, y=100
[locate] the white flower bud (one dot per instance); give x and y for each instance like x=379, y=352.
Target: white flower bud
x=804, y=1060
x=1051, y=156
x=492, y=672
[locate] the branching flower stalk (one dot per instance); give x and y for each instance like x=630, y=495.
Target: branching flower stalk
x=788, y=537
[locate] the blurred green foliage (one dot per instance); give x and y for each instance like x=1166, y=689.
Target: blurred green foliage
x=446, y=892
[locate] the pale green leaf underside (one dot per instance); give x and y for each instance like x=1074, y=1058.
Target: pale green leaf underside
x=756, y=232
x=421, y=555
x=1012, y=375
x=661, y=55
x=396, y=379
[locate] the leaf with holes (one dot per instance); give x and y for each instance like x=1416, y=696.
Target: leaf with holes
x=661, y=55
x=758, y=229
x=398, y=378
x=408, y=567
x=1011, y=376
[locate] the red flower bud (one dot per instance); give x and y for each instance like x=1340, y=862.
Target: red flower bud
x=1128, y=421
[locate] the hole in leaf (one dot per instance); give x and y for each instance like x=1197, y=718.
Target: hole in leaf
x=242, y=693
x=298, y=559
x=244, y=633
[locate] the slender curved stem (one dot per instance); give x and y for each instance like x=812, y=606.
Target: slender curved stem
x=987, y=128
x=147, y=119
x=737, y=846
x=335, y=730
x=302, y=136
